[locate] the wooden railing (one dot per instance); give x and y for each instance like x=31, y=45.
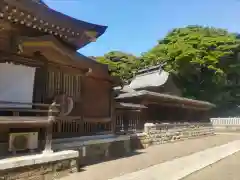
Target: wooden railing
x=132, y=124
x=63, y=127
x=75, y=126
x=31, y=122
x=36, y=109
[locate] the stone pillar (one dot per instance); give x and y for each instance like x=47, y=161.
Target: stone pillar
x=51, y=119
x=148, y=126
x=127, y=146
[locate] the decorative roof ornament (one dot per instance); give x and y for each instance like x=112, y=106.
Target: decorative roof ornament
x=89, y=72
x=92, y=35
x=40, y=2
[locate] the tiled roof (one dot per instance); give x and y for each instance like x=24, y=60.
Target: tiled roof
x=37, y=15
x=164, y=97
x=150, y=79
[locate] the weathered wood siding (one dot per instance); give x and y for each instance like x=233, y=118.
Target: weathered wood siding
x=68, y=83
x=92, y=97
x=5, y=40
x=96, y=97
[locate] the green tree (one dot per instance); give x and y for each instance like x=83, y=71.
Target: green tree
x=202, y=59
x=120, y=64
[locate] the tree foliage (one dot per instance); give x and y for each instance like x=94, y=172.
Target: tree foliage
x=203, y=60
x=120, y=64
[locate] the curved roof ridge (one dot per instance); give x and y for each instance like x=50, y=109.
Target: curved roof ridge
x=41, y=11
x=151, y=79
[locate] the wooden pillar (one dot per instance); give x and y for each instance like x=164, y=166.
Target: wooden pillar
x=113, y=113
x=139, y=120
x=177, y=115
x=143, y=116
x=40, y=80
x=198, y=115
x=81, y=106
x=126, y=117
x=187, y=116
x=169, y=114
x=204, y=116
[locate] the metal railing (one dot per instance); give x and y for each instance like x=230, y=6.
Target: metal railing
x=225, y=121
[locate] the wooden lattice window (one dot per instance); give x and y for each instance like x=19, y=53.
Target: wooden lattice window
x=67, y=83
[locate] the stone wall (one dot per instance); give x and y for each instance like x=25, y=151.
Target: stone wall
x=96, y=148
x=164, y=133
x=25, y=168
x=48, y=171
x=103, y=151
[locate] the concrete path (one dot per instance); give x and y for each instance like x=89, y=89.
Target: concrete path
x=151, y=156
x=228, y=133
x=181, y=167
x=225, y=169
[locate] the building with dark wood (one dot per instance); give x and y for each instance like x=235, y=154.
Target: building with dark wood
x=155, y=98
x=40, y=64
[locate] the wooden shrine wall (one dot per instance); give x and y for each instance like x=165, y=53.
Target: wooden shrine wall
x=5, y=40
x=92, y=97
x=48, y=81
x=67, y=83
x=96, y=96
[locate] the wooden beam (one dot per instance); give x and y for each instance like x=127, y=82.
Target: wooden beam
x=18, y=59
x=97, y=120
x=23, y=103
x=129, y=110
x=175, y=105
x=113, y=112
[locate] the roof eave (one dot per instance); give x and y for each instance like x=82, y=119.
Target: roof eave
x=148, y=94
x=74, y=29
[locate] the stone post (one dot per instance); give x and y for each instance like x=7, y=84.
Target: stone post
x=147, y=127
x=51, y=118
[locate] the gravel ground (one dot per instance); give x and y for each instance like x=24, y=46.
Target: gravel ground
x=226, y=169
x=148, y=157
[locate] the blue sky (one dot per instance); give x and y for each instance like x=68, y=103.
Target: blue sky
x=134, y=26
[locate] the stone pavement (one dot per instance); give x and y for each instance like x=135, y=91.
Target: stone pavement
x=149, y=157
x=226, y=169
x=181, y=167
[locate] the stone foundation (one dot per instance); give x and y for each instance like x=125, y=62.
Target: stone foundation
x=155, y=134
x=96, y=148
x=105, y=151
x=39, y=167
x=227, y=128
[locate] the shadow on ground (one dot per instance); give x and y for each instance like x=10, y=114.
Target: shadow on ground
x=94, y=161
